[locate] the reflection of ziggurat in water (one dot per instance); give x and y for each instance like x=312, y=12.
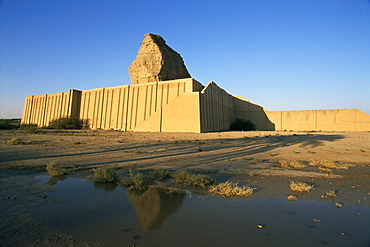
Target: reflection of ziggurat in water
x=155, y=205
x=164, y=98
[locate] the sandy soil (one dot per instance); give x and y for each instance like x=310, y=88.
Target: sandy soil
x=250, y=158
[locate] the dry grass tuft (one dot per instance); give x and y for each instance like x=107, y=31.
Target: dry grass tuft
x=15, y=141
x=330, y=164
x=331, y=193
x=325, y=169
x=229, y=189
x=300, y=187
x=293, y=163
x=55, y=170
x=292, y=198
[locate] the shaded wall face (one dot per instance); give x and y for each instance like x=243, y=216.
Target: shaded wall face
x=321, y=120
x=216, y=108
x=244, y=109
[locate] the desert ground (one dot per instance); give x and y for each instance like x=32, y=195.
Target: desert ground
x=250, y=158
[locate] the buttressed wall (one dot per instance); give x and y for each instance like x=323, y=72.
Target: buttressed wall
x=321, y=120
x=164, y=98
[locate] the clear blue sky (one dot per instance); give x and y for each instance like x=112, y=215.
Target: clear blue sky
x=281, y=54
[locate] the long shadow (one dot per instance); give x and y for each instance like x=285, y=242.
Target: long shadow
x=208, y=150
x=231, y=148
x=16, y=157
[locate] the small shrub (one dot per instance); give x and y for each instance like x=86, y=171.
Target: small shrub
x=4, y=124
x=55, y=170
x=201, y=180
x=295, y=164
x=229, y=189
x=300, y=187
x=137, y=182
x=104, y=175
x=185, y=178
x=292, y=198
x=181, y=177
x=161, y=173
x=66, y=123
x=29, y=128
x=242, y=124
x=330, y=164
x=15, y=141
x=331, y=193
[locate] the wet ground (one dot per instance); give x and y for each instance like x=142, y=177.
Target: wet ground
x=113, y=216
x=71, y=211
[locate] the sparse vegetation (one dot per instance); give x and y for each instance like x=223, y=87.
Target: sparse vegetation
x=331, y=193
x=325, y=169
x=56, y=170
x=242, y=124
x=4, y=124
x=184, y=178
x=66, y=123
x=137, y=182
x=161, y=174
x=229, y=189
x=252, y=174
x=15, y=141
x=201, y=180
x=292, y=198
x=181, y=177
x=295, y=164
x=330, y=164
x=104, y=175
x=300, y=187
x=30, y=128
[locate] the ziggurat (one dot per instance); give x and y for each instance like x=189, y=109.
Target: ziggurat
x=164, y=98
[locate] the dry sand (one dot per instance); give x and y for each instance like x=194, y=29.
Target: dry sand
x=250, y=158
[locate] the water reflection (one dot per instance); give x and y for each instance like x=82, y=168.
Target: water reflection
x=161, y=218
x=54, y=180
x=107, y=187
x=155, y=205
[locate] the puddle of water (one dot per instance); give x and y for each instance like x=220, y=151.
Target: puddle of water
x=115, y=217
